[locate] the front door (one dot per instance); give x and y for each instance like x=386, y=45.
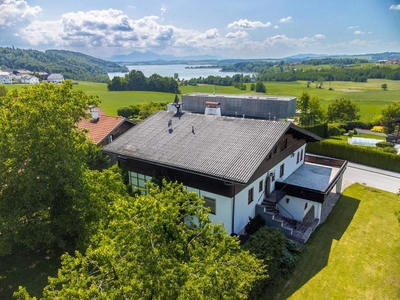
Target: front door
x=267, y=186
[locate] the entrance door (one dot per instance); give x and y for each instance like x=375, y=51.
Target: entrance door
x=267, y=186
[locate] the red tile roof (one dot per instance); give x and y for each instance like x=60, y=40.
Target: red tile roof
x=98, y=131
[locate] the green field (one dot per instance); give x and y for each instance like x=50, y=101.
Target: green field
x=368, y=95
x=353, y=255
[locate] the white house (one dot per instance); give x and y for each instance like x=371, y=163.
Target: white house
x=5, y=78
x=240, y=166
x=55, y=78
x=29, y=79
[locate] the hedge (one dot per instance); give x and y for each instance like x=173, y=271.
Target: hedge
x=358, y=154
x=319, y=129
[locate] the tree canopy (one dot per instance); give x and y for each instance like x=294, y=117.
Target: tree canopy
x=160, y=245
x=342, y=110
x=42, y=157
x=389, y=113
x=136, y=81
x=310, y=110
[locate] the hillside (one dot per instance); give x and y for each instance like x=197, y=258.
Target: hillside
x=73, y=65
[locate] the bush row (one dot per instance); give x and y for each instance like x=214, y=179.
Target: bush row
x=358, y=154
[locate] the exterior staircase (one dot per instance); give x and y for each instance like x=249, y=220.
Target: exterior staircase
x=296, y=231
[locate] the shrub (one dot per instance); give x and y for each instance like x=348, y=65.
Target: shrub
x=378, y=129
x=318, y=129
x=389, y=150
x=333, y=131
x=384, y=144
x=125, y=111
x=254, y=224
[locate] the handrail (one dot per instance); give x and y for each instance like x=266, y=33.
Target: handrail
x=285, y=210
x=261, y=196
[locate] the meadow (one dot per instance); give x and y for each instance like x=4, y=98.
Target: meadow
x=368, y=95
x=357, y=252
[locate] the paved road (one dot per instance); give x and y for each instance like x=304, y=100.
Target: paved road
x=377, y=178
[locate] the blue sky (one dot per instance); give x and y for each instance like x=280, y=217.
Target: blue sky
x=231, y=29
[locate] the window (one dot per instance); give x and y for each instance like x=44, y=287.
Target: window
x=211, y=204
x=138, y=180
x=251, y=195
x=260, y=186
x=298, y=157
x=301, y=156
x=305, y=206
x=272, y=176
x=282, y=170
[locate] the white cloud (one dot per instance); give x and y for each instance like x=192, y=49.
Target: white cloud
x=369, y=32
x=246, y=24
x=276, y=26
x=163, y=9
x=211, y=33
x=395, y=7
x=286, y=20
x=237, y=35
x=358, y=32
x=13, y=12
x=352, y=27
x=319, y=36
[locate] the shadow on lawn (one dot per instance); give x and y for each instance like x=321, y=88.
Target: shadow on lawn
x=317, y=250
x=27, y=268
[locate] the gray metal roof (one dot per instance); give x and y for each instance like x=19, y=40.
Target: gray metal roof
x=222, y=147
x=242, y=96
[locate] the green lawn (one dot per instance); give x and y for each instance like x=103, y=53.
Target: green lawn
x=368, y=95
x=355, y=254
x=27, y=268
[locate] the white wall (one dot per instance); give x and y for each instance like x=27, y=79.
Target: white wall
x=296, y=208
x=243, y=210
x=223, y=208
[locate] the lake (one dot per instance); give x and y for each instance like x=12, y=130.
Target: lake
x=169, y=70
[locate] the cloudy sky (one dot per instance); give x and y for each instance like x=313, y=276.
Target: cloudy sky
x=234, y=28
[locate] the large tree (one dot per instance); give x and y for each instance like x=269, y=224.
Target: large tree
x=342, y=110
x=310, y=110
x=161, y=245
x=389, y=113
x=42, y=157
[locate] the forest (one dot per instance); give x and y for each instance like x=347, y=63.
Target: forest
x=136, y=81
x=72, y=65
x=337, y=70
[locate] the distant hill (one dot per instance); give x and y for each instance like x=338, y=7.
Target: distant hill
x=72, y=65
x=149, y=56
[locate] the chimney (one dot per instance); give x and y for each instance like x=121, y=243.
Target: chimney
x=212, y=109
x=95, y=114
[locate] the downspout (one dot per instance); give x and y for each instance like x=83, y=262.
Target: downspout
x=233, y=210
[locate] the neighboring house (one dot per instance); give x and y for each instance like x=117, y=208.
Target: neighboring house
x=102, y=128
x=250, y=106
x=240, y=166
x=5, y=78
x=55, y=78
x=29, y=79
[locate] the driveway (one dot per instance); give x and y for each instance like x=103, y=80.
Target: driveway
x=373, y=177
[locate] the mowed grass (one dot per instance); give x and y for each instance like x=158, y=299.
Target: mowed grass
x=353, y=255
x=368, y=95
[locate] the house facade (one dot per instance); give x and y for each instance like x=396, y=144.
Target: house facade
x=55, y=78
x=242, y=167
